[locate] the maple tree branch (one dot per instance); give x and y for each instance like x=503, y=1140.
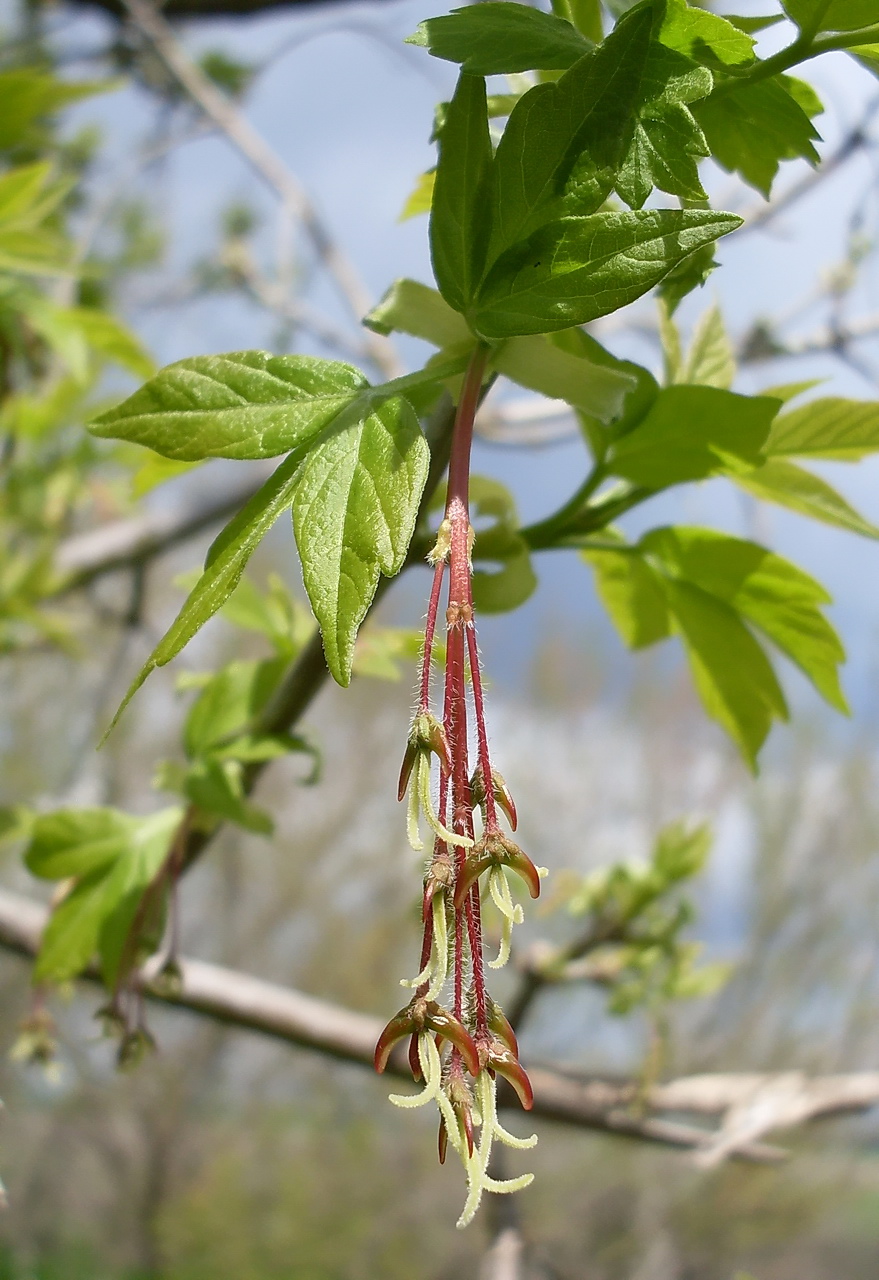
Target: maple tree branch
x=750, y=1104
x=267, y=163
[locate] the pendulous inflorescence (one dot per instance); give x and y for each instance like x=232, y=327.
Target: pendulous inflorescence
x=458, y=1051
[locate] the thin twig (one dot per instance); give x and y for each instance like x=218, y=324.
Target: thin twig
x=239, y=1000
x=265, y=161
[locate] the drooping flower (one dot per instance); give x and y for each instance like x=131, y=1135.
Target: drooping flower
x=458, y=1052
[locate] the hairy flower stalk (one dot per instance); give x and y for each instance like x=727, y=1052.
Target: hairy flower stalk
x=459, y=1052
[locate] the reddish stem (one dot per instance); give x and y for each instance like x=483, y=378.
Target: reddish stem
x=491, y=822
x=462, y=436
x=429, y=632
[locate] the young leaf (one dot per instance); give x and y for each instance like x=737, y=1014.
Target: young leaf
x=536, y=362
x=710, y=361
x=868, y=56
x=577, y=269
x=420, y=198
x=767, y=590
x=734, y=677
x=459, y=220
x=20, y=191
x=693, y=432
x=751, y=127
x=704, y=36
x=585, y=15
x=247, y=404
x=229, y=702
x=35, y=253
x=514, y=581
x=356, y=503
x=215, y=786
x=781, y=481
x=98, y=912
x=828, y=428
x=589, y=110
x=631, y=592
x=28, y=95
x=75, y=842
x=410, y=307
x=667, y=143
x=838, y=15
x=501, y=37
x=641, y=394
x=225, y=563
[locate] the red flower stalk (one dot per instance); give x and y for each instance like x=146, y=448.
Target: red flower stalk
x=475, y=1036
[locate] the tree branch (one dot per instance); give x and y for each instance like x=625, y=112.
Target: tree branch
x=609, y=1106
x=120, y=544
x=270, y=167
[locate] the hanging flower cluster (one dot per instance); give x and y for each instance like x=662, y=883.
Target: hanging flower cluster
x=459, y=1051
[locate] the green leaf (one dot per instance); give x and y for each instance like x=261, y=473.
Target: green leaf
x=97, y=915
x=693, y=432
x=420, y=198
x=154, y=470
x=28, y=95
x=791, y=486
x=275, y=614
x=511, y=584
x=216, y=787
x=538, y=363
x=838, y=15
x=224, y=566
x=229, y=702
x=514, y=581
x=247, y=404
x=751, y=127
x=356, y=504
x=704, y=36
x=416, y=309
x=35, y=253
x=767, y=590
x=459, y=219
x=577, y=269
x=107, y=336
x=20, y=191
x=636, y=401
x=76, y=334
x=828, y=428
x=689, y=275
x=868, y=56
x=75, y=842
x=751, y=24
x=500, y=37
x=710, y=361
x=734, y=677
x=585, y=15
x=667, y=143
x=587, y=113
x=631, y=592
x=681, y=851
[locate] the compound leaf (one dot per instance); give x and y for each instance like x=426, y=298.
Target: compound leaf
x=502, y=37
x=631, y=592
x=752, y=127
x=689, y=433
x=356, y=503
x=246, y=404
x=459, y=220
x=577, y=269
x=587, y=113
x=827, y=428
x=781, y=481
